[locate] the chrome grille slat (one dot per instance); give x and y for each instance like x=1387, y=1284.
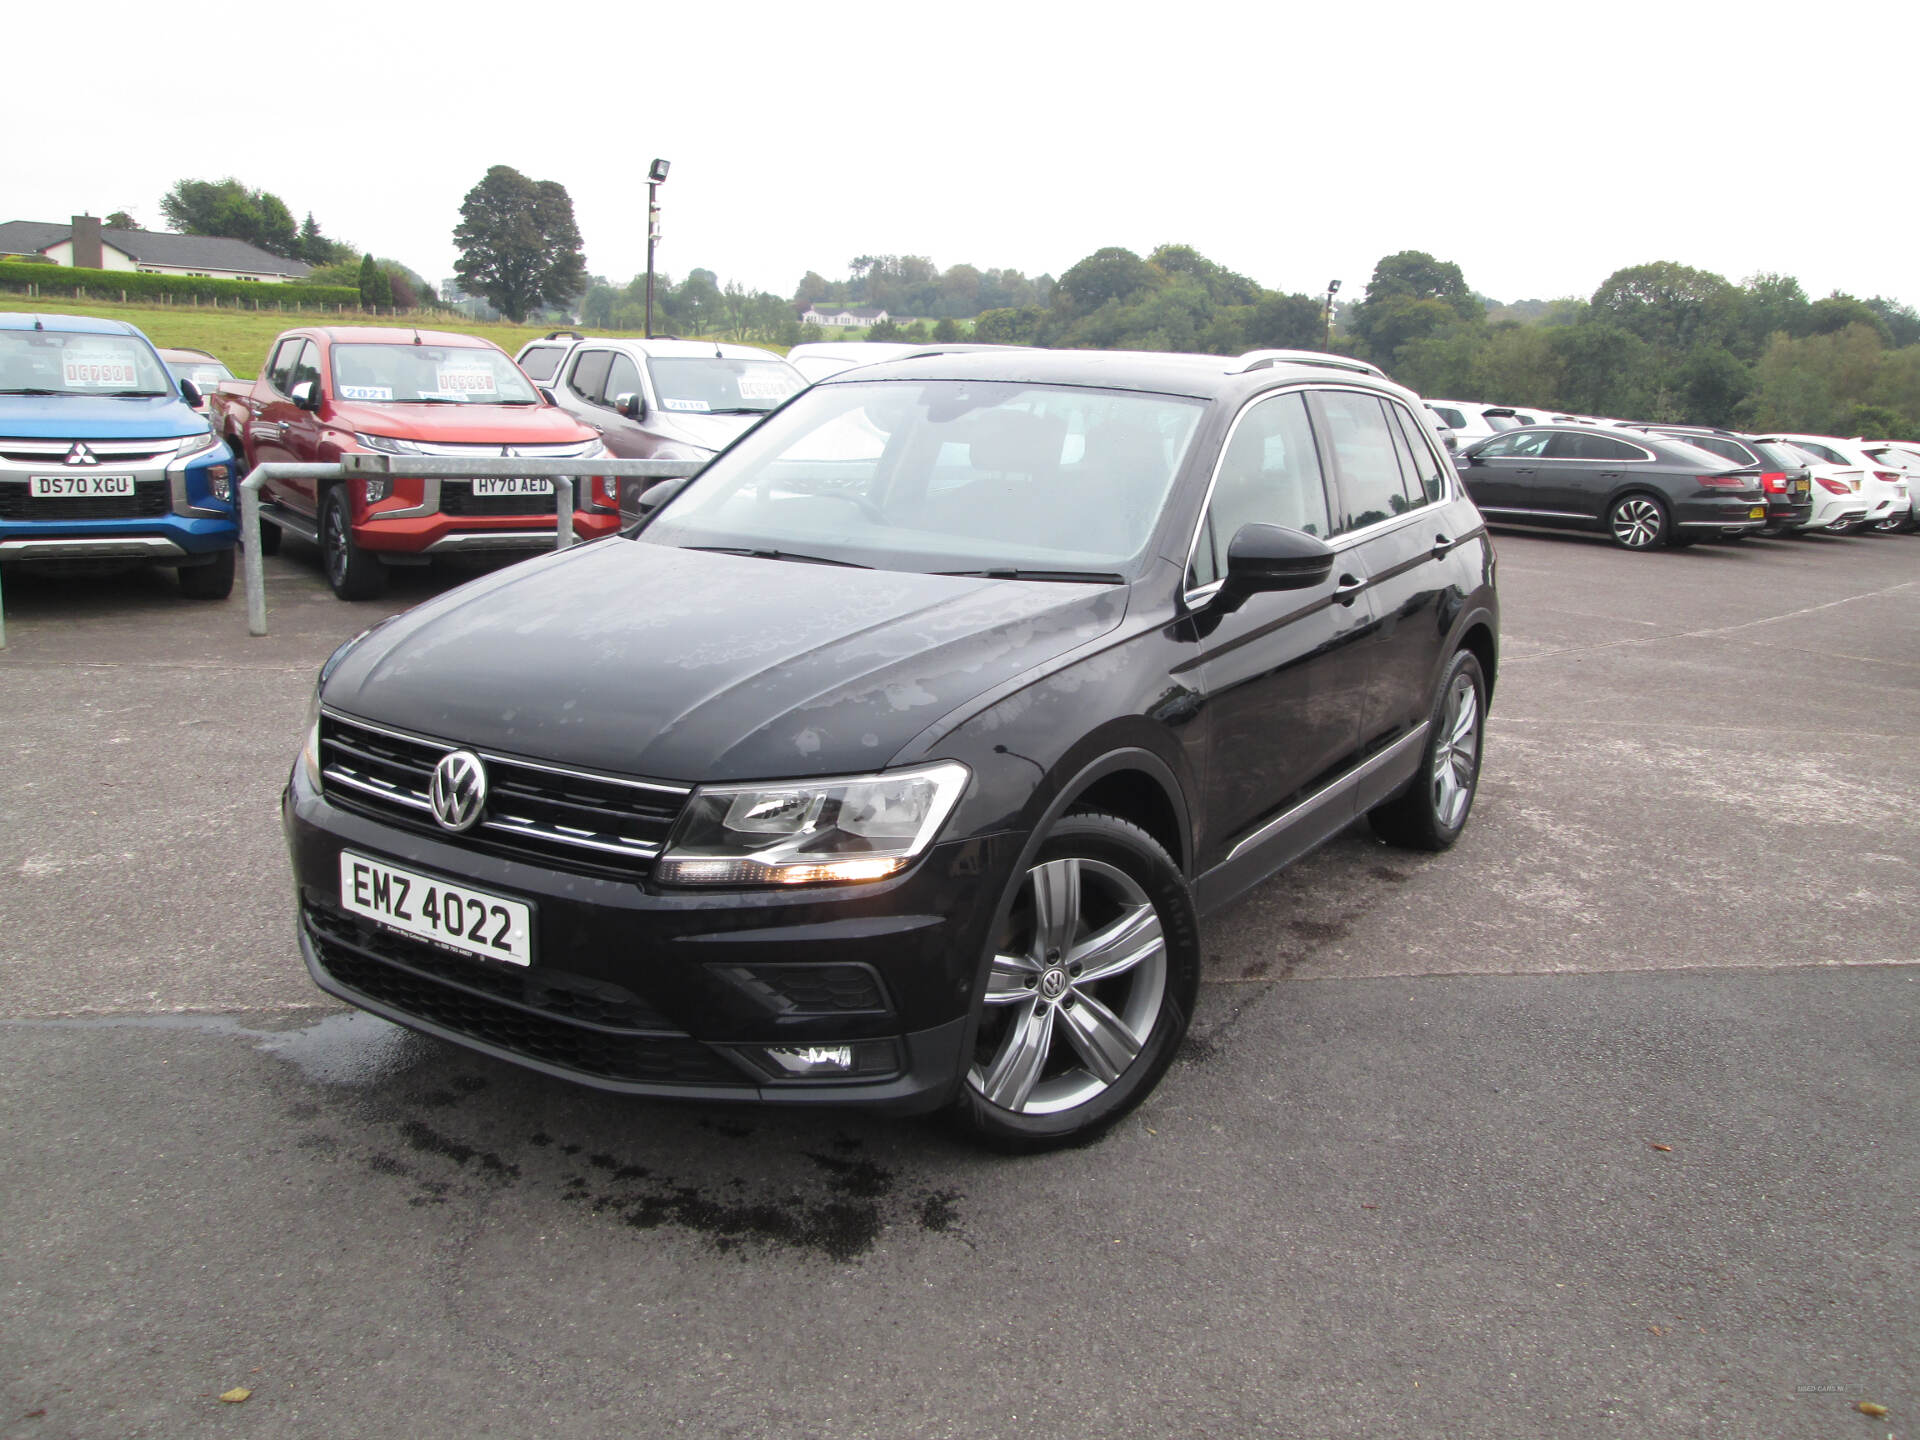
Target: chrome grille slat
x=551, y=814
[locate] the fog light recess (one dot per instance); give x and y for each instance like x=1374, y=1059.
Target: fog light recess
x=857, y=1059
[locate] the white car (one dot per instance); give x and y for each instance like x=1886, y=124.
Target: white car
x=1470, y=420
x=1841, y=501
x=818, y=359
x=1883, y=490
x=1904, y=456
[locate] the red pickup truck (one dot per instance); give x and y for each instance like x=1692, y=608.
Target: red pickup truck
x=327, y=392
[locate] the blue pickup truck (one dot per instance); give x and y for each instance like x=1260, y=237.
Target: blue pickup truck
x=103, y=459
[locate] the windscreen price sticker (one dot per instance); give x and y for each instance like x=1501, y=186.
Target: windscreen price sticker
x=765, y=387
x=466, y=382
x=99, y=370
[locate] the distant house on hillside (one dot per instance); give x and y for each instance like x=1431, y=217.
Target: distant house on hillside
x=841, y=317
x=151, y=252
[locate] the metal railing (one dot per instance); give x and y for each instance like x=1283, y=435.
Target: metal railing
x=428, y=467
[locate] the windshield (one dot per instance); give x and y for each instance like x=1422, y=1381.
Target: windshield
x=72, y=362
x=428, y=374
x=715, y=385
x=1781, y=457
x=203, y=373
x=944, y=475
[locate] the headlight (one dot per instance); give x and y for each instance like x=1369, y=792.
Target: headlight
x=310, y=749
x=196, y=444
x=810, y=832
x=388, y=445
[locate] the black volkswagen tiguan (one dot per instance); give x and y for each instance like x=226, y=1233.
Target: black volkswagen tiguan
x=894, y=760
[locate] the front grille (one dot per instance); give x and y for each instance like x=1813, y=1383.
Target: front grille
x=149, y=498
x=114, y=454
x=577, y=820
x=513, y=1011
x=457, y=498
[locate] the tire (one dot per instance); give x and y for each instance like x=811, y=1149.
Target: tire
x=1639, y=522
x=1061, y=1052
x=1432, y=811
x=353, y=573
x=208, y=582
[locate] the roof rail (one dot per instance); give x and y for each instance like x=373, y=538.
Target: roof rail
x=1264, y=359
x=563, y=334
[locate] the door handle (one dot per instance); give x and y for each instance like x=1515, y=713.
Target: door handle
x=1347, y=589
x=1441, y=545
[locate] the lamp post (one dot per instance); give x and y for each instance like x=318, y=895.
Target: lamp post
x=656, y=175
x=1326, y=314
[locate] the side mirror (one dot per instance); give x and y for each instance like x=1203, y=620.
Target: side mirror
x=1273, y=557
x=638, y=505
x=546, y=394
x=631, y=405
x=190, y=393
x=306, y=396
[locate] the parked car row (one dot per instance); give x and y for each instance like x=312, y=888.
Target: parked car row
x=1651, y=485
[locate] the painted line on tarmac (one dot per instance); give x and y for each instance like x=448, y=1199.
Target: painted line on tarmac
x=1711, y=632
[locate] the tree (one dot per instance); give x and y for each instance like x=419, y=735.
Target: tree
x=1410, y=296
x=945, y=331
x=228, y=208
x=1286, y=322
x=519, y=245
x=1105, y=275
x=121, y=220
x=1838, y=311
x=1673, y=307
x=1903, y=324
x=376, y=289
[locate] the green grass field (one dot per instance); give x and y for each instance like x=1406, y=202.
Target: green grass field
x=242, y=338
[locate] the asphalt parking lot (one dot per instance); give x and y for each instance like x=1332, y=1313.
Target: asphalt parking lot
x=1600, y=1124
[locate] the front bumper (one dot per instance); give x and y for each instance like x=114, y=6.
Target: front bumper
x=642, y=990
x=439, y=534
x=168, y=539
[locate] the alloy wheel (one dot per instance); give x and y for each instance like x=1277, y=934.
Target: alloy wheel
x=1075, y=988
x=333, y=541
x=1636, y=522
x=1456, y=759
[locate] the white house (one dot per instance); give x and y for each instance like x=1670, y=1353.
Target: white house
x=84, y=243
x=841, y=317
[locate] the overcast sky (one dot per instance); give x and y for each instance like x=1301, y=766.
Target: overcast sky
x=1540, y=146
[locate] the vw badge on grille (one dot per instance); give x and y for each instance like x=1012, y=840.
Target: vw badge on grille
x=459, y=791
x=80, y=455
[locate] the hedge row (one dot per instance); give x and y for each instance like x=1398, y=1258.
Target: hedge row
x=56, y=281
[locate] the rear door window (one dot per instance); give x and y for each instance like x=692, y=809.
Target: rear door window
x=589, y=377
x=542, y=362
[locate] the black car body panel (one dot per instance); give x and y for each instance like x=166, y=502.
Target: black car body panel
x=1575, y=474
x=1238, y=732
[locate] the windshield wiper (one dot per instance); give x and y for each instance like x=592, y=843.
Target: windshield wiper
x=776, y=555
x=1010, y=572
x=428, y=400
x=33, y=390
x=134, y=394
x=738, y=410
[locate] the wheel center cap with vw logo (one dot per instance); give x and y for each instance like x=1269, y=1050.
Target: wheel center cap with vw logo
x=1053, y=984
x=459, y=791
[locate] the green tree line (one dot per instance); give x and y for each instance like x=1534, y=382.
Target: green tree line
x=1660, y=341
x=912, y=285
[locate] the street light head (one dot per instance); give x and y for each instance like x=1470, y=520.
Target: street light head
x=657, y=171
x=1333, y=287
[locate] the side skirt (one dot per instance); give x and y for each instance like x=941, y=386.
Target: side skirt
x=1312, y=822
